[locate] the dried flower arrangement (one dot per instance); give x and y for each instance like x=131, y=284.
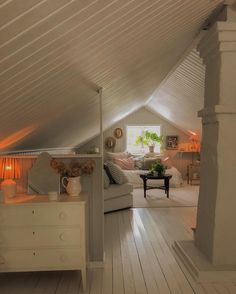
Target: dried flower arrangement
x=74, y=168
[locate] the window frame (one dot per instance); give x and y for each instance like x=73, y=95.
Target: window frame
x=141, y=125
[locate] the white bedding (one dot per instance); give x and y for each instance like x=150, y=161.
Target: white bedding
x=134, y=178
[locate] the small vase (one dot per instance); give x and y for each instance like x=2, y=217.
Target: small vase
x=73, y=186
x=151, y=149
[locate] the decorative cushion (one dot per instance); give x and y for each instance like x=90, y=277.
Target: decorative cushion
x=148, y=162
x=117, y=173
x=125, y=163
x=106, y=180
x=108, y=173
x=110, y=156
x=139, y=162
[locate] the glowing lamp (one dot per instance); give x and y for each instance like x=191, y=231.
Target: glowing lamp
x=10, y=171
x=165, y=159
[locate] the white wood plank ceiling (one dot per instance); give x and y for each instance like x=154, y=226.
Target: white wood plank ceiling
x=180, y=97
x=54, y=54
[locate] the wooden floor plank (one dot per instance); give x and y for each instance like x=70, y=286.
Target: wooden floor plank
x=118, y=281
x=96, y=285
x=153, y=270
x=143, y=257
x=209, y=288
x=153, y=262
x=167, y=219
x=162, y=256
x=140, y=286
x=107, y=272
x=74, y=283
x=129, y=285
x=15, y=283
x=174, y=275
x=63, y=284
x=224, y=288
x=47, y=282
x=231, y=288
x=88, y=286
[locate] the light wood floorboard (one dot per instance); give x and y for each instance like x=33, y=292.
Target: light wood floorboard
x=107, y=271
x=138, y=278
x=139, y=260
x=128, y=275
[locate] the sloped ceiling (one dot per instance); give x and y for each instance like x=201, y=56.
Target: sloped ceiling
x=55, y=54
x=181, y=96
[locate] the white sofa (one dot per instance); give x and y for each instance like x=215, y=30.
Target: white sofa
x=133, y=174
x=118, y=197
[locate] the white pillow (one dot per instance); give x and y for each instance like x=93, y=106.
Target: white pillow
x=117, y=173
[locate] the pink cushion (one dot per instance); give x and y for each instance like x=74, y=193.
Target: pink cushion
x=117, y=155
x=125, y=163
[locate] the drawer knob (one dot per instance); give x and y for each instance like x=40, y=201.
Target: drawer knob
x=2, y=260
x=62, y=216
x=33, y=211
x=62, y=237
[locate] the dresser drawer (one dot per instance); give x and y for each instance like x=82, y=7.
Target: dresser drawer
x=38, y=214
x=43, y=259
x=40, y=237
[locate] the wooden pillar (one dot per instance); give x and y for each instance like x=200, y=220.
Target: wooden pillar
x=216, y=219
x=211, y=257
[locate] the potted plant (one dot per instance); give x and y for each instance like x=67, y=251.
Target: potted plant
x=149, y=139
x=158, y=168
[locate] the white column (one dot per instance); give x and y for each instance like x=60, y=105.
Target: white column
x=216, y=219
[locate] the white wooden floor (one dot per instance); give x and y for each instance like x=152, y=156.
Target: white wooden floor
x=139, y=259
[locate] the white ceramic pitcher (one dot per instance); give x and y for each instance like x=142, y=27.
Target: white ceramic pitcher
x=73, y=186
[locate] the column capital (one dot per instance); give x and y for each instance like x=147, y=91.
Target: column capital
x=220, y=38
x=211, y=115
x=217, y=109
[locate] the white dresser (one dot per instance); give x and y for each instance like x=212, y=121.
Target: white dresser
x=37, y=234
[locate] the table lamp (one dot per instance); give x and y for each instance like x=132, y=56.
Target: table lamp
x=10, y=170
x=194, y=141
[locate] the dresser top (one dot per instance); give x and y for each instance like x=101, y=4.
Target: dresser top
x=29, y=199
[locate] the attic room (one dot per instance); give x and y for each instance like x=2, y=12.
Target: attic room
x=117, y=159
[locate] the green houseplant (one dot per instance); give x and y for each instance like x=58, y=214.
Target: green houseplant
x=149, y=139
x=158, y=168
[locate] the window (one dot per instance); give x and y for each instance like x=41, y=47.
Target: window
x=132, y=132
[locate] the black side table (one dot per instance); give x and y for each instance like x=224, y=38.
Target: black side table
x=165, y=187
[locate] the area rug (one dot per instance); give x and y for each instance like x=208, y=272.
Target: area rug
x=186, y=196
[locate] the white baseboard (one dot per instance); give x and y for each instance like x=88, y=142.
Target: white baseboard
x=97, y=264
x=199, y=267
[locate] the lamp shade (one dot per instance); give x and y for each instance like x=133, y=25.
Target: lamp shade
x=9, y=168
